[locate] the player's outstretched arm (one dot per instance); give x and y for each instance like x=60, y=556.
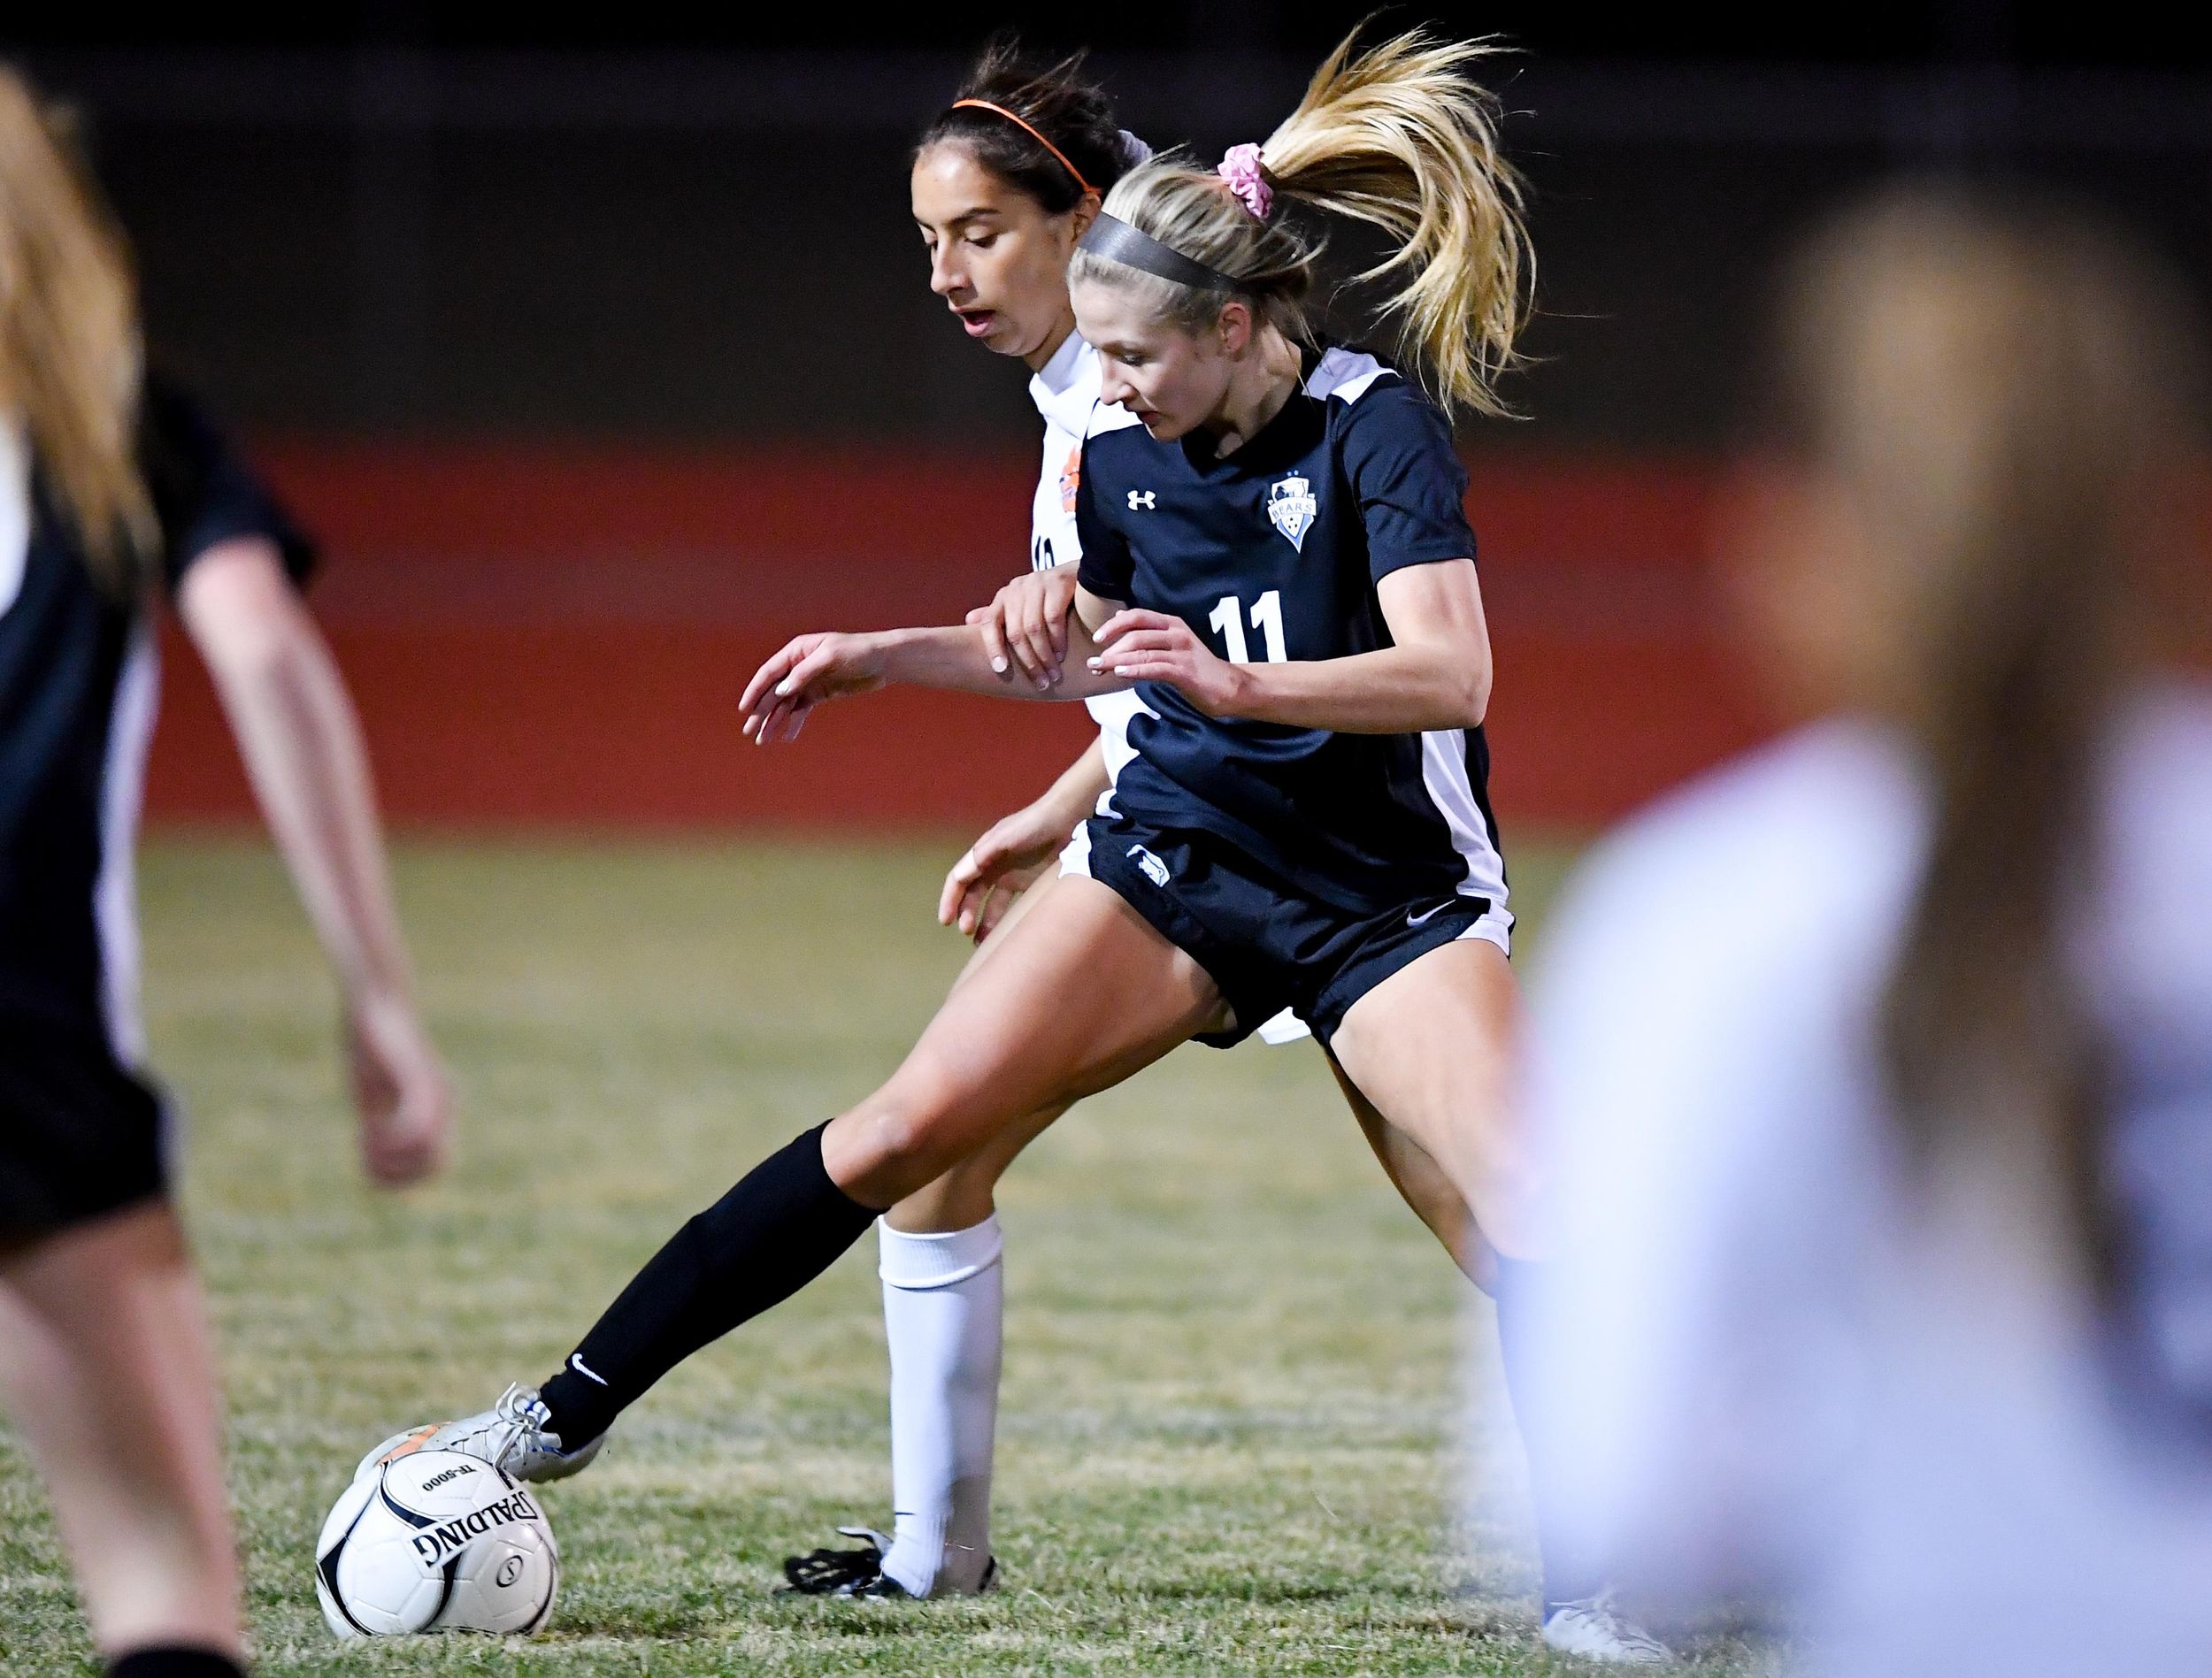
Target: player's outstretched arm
x=1437, y=675
x=835, y=664
x=297, y=731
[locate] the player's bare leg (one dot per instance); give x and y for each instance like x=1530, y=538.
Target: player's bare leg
x=964, y=1195
x=1433, y=1049
x=1435, y=1198
x=105, y=1365
x=1083, y=993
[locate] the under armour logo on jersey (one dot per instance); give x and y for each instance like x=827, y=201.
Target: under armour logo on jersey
x=1292, y=509
x=1147, y=499
x=1154, y=870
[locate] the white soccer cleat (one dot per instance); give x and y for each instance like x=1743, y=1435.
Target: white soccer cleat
x=1593, y=1629
x=511, y=1435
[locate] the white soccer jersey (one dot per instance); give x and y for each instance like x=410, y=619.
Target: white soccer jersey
x=1781, y=1356
x=1066, y=394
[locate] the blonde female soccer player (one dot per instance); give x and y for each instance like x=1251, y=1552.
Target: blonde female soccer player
x=114, y=494
x=1276, y=556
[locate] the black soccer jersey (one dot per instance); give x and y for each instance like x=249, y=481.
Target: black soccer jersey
x=1273, y=553
x=78, y=685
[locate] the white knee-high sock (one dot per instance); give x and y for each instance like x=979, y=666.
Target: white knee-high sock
x=943, y=1302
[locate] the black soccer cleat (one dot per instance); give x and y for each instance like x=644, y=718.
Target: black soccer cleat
x=842, y=1573
x=855, y=1573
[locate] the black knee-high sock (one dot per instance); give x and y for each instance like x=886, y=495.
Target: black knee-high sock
x=1566, y=1578
x=169, y=1661
x=783, y=1224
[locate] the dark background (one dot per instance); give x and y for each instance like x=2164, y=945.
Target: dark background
x=598, y=350
x=426, y=222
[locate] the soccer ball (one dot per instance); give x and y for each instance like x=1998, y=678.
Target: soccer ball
x=436, y=1541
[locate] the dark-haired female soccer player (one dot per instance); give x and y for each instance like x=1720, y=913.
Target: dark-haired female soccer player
x=1005, y=181
x=113, y=494
x=1276, y=557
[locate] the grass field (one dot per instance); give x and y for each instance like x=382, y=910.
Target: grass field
x=1230, y=1438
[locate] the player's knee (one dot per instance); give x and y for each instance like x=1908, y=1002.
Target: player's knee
x=904, y=1141
x=914, y=1128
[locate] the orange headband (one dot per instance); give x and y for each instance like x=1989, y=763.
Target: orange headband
x=984, y=104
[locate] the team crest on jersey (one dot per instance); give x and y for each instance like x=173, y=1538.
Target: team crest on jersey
x=1292, y=509
x=1071, y=479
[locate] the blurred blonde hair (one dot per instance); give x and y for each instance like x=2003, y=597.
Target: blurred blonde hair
x=70, y=354
x=1400, y=136
x=2000, y=387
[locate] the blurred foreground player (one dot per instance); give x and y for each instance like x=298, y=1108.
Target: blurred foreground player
x=1277, y=554
x=112, y=494
x=1889, y=1211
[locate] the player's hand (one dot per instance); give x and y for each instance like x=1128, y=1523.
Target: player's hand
x=1000, y=866
x=808, y=670
x=1027, y=624
x=399, y=1091
x=1152, y=646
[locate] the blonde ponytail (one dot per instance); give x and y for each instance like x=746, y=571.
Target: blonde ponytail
x=70, y=359
x=1400, y=136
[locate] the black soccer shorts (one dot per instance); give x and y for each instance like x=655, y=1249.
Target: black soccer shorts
x=1267, y=946
x=80, y=1134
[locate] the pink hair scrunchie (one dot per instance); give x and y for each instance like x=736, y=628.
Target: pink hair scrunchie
x=1247, y=180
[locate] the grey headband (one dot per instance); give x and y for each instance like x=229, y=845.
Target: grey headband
x=1116, y=241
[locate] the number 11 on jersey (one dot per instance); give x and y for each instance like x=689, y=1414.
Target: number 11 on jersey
x=1267, y=617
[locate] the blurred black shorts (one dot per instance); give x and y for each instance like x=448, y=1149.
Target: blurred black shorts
x=80, y=1134
x=1267, y=946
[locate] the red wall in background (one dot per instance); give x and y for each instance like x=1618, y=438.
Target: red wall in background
x=551, y=635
